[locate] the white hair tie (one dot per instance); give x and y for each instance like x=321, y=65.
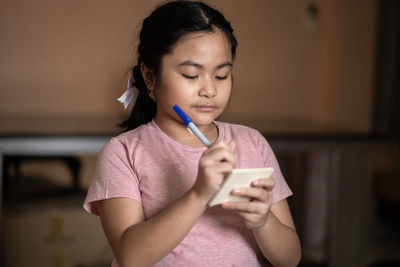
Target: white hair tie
x=130, y=96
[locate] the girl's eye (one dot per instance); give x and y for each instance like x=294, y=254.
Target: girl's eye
x=189, y=77
x=221, y=77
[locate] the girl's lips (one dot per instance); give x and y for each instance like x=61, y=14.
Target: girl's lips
x=205, y=108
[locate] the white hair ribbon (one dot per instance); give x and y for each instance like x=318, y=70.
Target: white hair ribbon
x=130, y=96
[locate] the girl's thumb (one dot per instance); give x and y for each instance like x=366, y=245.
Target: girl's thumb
x=232, y=145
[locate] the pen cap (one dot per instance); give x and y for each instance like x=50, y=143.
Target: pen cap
x=182, y=115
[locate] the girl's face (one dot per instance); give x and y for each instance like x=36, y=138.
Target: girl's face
x=196, y=76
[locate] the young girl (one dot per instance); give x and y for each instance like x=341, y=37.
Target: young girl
x=153, y=183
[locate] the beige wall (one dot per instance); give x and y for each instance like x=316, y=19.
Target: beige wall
x=68, y=59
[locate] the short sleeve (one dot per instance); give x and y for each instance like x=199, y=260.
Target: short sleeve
x=114, y=176
x=281, y=189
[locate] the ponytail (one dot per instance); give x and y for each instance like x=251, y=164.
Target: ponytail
x=145, y=108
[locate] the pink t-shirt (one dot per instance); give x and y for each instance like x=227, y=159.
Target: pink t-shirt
x=150, y=167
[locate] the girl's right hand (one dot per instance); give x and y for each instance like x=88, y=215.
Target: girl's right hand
x=215, y=163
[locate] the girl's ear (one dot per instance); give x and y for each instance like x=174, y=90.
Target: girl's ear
x=148, y=77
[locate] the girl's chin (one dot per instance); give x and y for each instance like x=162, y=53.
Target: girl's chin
x=204, y=121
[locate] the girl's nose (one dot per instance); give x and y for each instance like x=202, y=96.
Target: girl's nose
x=208, y=89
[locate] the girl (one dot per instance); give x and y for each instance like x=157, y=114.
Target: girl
x=153, y=183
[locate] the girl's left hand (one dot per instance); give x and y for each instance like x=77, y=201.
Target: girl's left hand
x=254, y=212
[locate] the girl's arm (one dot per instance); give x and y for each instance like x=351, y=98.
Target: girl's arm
x=272, y=224
x=139, y=242
x=136, y=242
x=278, y=239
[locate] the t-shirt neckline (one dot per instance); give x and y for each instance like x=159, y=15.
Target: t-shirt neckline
x=168, y=139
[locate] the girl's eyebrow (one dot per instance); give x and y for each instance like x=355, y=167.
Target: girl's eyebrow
x=199, y=66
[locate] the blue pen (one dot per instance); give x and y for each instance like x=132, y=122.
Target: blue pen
x=191, y=126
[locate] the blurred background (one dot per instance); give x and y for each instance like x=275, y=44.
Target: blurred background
x=319, y=78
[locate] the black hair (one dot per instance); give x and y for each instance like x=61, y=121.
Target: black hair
x=161, y=30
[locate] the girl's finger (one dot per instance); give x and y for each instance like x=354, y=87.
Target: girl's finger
x=247, y=207
x=232, y=145
x=267, y=183
x=219, y=153
x=220, y=168
x=222, y=145
x=254, y=213
x=257, y=193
